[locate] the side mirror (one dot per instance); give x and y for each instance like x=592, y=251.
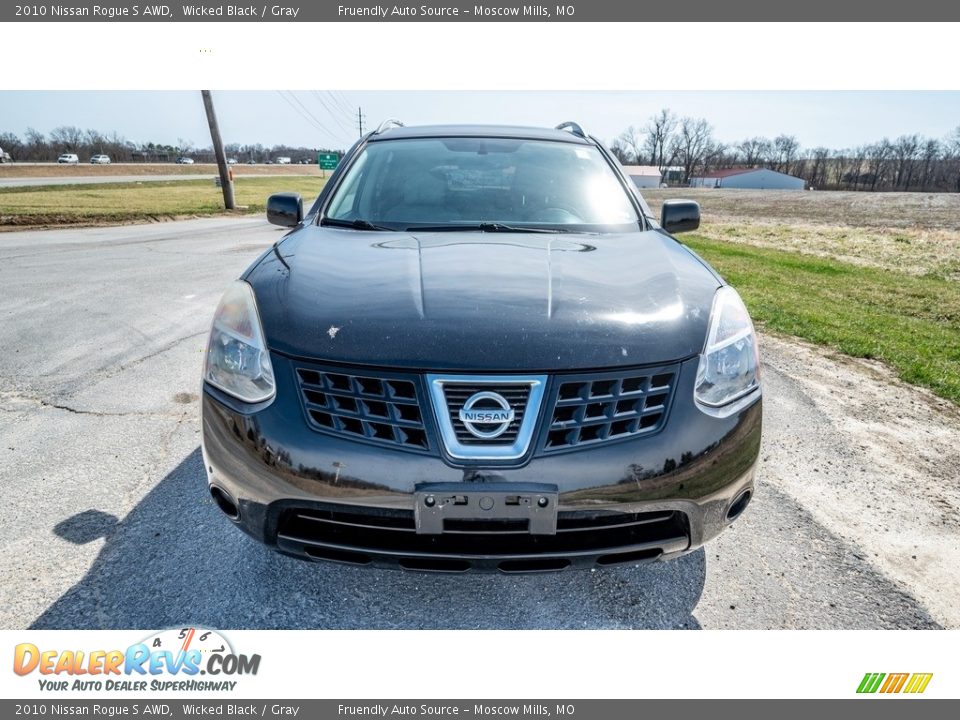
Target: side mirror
x=285, y=209
x=678, y=216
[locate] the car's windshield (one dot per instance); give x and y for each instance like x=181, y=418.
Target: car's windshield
x=494, y=182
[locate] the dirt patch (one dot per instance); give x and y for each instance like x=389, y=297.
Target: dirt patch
x=874, y=460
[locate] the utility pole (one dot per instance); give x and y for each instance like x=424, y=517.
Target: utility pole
x=360, y=117
x=225, y=182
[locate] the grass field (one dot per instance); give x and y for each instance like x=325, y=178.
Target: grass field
x=871, y=275
x=53, y=205
x=50, y=170
x=909, y=322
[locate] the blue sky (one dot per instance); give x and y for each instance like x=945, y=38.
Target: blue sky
x=835, y=119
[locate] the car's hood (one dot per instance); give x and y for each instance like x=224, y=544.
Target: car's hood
x=483, y=301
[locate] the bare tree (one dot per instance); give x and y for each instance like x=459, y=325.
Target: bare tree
x=816, y=176
x=67, y=137
x=840, y=166
x=620, y=151
x=35, y=145
x=631, y=142
x=904, y=150
x=659, y=130
x=754, y=151
x=11, y=145
x=951, y=164
x=691, y=144
x=785, y=148
x=878, y=156
x=929, y=155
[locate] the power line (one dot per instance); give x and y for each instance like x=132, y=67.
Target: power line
x=296, y=109
x=340, y=102
x=333, y=114
x=307, y=111
x=303, y=112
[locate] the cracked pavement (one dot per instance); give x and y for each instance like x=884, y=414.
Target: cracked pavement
x=106, y=522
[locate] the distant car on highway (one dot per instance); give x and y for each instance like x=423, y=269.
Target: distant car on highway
x=283, y=161
x=68, y=159
x=231, y=161
x=100, y=160
x=5, y=157
x=184, y=161
x=251, y=162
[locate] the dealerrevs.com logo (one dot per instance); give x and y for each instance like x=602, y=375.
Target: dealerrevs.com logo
x=167, y=660
x=892, y=683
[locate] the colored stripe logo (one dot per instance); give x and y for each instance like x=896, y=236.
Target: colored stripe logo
x=912, y=683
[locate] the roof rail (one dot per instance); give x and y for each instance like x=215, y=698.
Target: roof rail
x=572, y=127
x=386, y=125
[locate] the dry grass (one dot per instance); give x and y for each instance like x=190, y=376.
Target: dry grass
x=48, y=170
x=929, y=211
x=915, y=233
x=58, y=205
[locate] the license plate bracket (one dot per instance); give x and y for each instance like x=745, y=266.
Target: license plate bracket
x=534, y=502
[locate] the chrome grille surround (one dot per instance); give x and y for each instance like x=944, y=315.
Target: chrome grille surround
x=449, y=393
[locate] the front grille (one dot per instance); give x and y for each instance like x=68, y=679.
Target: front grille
x=379, y=409
x=358, y=535
x=596, y=408
x=458, y=394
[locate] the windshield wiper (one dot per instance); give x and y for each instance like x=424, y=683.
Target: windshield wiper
x=491, y=227
x=357, y=224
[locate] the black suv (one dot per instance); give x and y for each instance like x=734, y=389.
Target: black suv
x=479, y=351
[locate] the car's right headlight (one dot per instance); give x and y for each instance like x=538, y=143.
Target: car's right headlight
x=238, y=361
x=730, y=363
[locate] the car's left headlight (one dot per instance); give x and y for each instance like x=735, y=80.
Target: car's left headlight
x=238, y=361
x=730, y=362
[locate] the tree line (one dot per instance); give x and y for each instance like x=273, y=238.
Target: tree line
x=687, y=146
x=35, y=146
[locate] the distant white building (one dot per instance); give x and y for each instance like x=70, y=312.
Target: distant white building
x=644, y=176
x=751, y=178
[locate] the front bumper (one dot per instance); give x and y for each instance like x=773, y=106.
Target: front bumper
x=317, y=496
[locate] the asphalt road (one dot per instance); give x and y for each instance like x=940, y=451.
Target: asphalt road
x=106, y=523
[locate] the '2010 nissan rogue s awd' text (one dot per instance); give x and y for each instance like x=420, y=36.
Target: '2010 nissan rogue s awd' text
x=479, y=350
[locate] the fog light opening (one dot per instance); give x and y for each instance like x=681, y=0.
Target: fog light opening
x=225, y=503
x=739, y=505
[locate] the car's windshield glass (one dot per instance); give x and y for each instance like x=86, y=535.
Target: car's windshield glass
x=464, y=182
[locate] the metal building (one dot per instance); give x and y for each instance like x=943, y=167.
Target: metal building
x=644, y=176
x=752, y=178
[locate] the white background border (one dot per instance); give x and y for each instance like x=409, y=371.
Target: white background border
x=461, y=56
x=541, y=664
x=492, y=56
